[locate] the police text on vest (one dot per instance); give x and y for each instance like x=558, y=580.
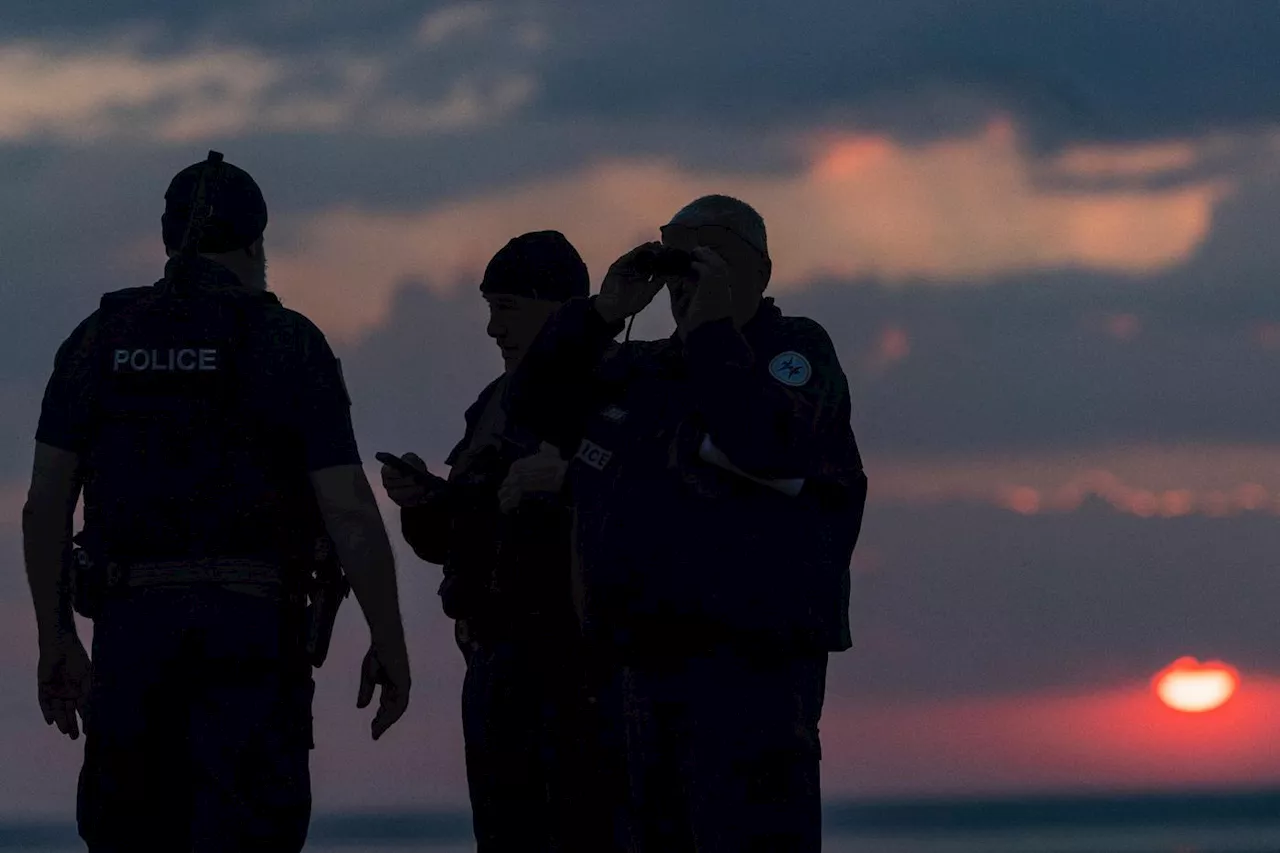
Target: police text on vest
x=594, y=455
x=181, y=360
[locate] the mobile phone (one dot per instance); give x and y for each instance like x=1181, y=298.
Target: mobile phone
x=403, y=467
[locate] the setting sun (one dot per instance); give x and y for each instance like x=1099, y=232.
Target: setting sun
x=1194, y=687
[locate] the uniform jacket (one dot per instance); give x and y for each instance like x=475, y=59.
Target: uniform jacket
x=672, y=551
x=500, y=570
x=197, y=418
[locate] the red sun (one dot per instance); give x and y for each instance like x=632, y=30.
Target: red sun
x=1193, y=687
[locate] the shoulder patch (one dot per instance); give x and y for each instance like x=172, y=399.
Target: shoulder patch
x=791, y=368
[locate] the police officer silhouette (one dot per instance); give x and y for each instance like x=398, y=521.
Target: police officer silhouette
x=210, y=430
x=535, y=754
x=718, y=494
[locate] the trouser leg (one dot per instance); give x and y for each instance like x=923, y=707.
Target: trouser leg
x=251, y=734
x=723, y=753
x=133, y=793
x=588, y=771
x=251, y=725
x=506, y=757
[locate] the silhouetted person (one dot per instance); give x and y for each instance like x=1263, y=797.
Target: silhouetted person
x=210, y=430
x=532, y=753
x=718, y=493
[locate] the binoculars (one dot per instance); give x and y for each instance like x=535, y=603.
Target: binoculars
x=664, y=260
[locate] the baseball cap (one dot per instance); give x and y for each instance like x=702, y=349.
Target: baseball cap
x=729, y=213
x=239, y=211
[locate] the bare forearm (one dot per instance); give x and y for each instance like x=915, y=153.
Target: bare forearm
x=367, y=558
x=46, y=544
x=354, y=523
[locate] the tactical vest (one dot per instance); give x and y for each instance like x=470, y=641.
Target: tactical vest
x=183, y=463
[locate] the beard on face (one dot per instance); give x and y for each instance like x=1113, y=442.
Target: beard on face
x=258, y=274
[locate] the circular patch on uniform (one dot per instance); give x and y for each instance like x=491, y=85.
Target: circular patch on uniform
x=790, y=368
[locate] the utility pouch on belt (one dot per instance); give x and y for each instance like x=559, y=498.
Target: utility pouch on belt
x=88, y=577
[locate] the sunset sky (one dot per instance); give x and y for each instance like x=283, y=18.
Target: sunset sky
x=1041, y=236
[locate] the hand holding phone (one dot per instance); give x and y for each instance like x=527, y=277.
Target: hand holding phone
x=407, y=480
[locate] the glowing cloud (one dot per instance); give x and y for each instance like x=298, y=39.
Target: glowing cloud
x=1147, y=481
x=1097, y=161
x=75, y=94
x=70, y=94
x=891, y=346
x=960, y=209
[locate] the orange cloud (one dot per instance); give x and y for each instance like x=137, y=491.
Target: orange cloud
x=959, y=209
x=1023, y=500
x=73, y=94
x=845, y=158
x=1123, y=327
x=1108, y=161
x=82, y=96
x=891, y=347
x=1146, y=481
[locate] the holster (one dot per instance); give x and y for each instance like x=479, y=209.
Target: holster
x=327, y=586
x=90, y=576
x=86, y=596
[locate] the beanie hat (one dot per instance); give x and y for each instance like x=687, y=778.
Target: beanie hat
x=539, y=265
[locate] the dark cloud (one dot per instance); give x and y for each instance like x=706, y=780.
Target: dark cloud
x=272, y=23
x=1029, y=362
x=968, y=600
x=1090, y=69
x=918, y=68
x=1032, y=365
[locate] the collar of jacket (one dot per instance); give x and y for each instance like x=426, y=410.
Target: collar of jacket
x=477, y=408
x=200, y=272
x=471, y=417
x=670, y=355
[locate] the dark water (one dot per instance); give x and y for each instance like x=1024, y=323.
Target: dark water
x=1151, y=840
x=1192, y=823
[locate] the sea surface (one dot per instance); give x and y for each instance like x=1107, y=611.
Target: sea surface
x=1148, y=840
x=1224, y=822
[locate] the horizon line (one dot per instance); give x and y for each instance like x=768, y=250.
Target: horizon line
x=917, y=813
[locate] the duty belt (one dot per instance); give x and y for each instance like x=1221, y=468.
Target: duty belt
x=225, y=570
